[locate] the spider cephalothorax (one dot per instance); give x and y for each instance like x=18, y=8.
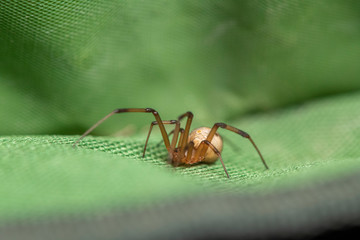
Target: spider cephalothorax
x=201, y=145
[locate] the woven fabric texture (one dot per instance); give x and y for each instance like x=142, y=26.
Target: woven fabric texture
x=286, y=72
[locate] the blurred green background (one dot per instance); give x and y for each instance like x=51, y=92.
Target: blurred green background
x=65, y=65
x=285, y=71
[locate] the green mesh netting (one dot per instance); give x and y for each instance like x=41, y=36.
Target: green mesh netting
x=284, y=71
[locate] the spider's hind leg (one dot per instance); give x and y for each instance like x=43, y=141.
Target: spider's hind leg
x=193, y=159
x=203, y=149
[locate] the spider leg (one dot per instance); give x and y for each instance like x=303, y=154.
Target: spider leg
x=189, y=152
x=172, y=132
x=123, y=110
x=159, y=143
x=181, y=136
x=175, y=131
x=217, y=153
x=182, y=144
x=209, y=144
x=190, y=116
x=202, y=149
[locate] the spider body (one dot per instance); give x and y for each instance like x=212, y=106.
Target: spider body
x=193, y=144
x=201, y=145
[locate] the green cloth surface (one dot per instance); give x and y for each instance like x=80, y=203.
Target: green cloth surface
x=286, y=72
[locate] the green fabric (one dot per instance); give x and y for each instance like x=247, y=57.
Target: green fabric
x=286, y=72
x=63, y=65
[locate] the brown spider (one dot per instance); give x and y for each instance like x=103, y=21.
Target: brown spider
x=201, y=145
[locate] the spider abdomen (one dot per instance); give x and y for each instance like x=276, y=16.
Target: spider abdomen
x=200, y=134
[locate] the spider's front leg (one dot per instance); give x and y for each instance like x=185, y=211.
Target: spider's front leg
x=123, y=110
